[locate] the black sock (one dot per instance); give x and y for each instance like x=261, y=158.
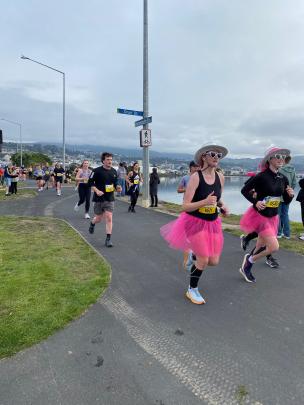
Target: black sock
x=261, y=249
x=108, y=236
x=194, y=277
x=250, y=236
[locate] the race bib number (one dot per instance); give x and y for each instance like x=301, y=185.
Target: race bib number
x=136, y=181
x=85, y=180
x=208, y=209
x=59, y=174
x=109, y=188
x=272, y=202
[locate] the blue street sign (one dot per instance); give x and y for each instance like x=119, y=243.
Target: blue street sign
x=129, y=112
x=144, y=121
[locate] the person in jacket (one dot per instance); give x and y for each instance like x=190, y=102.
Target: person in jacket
x=300, y=198
x=153, y=183
x=284, y=227
x=8, y=178
x=262, y=217
x=121, y=175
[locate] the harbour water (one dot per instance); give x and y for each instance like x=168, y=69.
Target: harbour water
x=232, y=195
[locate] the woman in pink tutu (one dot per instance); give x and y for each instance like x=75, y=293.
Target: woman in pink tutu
x=199, y=228
x=262, y=216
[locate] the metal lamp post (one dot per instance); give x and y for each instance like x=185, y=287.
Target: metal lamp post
x=20, y=136
x=145, y=103
x=63, y=99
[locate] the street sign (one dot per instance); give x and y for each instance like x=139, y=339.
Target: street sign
x=129, y=112
x=144, y=121
x=145, y=137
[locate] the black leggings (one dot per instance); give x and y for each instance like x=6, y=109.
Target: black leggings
x=84, y=192
x=134, y=196
x=154, y=200
x=13, y=187
x=302, y=211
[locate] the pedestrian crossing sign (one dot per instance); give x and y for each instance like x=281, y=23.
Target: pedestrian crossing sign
x=145, y=137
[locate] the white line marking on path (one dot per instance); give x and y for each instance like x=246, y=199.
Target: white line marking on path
x=209, y=380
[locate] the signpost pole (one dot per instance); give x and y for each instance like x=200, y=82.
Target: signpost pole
x=145, y=196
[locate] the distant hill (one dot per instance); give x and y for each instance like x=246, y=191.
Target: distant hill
x=155, y=156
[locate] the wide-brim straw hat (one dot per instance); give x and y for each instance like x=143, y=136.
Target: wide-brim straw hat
x=274, y=151
x=206, y=148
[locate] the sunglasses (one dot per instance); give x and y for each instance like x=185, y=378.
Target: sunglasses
x=214, y=154
x=278, y=156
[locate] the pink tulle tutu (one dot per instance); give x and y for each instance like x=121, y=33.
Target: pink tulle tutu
x=204, y=238
x=252, y=221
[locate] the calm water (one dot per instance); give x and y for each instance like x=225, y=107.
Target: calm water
x=232, y=195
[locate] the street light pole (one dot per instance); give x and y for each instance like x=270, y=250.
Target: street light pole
x=145, y=104
x=63, y=101
x=20, y=137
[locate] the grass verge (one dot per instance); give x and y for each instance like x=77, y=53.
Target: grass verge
x=231, y=224
x=48, y=277
x=22, y=193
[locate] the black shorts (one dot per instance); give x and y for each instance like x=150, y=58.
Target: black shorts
x=58, y=179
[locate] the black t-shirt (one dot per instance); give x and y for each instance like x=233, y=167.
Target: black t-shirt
x=106, y=181
x=269, y=187
x=59, y=172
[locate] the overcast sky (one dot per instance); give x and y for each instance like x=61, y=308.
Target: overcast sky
x=230, y=72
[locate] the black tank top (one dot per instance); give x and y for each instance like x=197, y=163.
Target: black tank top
x=135, y=180
x=208, y=213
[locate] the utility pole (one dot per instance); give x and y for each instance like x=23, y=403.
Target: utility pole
x=146, y=164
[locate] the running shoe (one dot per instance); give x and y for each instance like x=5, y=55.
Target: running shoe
x=91, y=228
x=280, y=235
x=245, y=270
x=272, y=262
x=76, y=208
x=286, y=237
x=87, y=216
x=194, y=296
x=244, y=242
x=108, y=243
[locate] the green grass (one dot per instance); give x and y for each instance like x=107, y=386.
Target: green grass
x=294, y=244
x=48, y=277
x=171, y=207
x=21, y=193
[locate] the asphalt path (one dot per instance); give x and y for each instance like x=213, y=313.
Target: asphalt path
x=143, y=342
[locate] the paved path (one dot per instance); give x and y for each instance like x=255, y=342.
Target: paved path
x=144, y=343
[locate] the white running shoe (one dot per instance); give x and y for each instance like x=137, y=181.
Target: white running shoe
x=87, y=216
x=194, y=296
x=76, y=208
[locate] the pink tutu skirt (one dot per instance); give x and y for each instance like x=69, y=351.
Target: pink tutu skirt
x=204, y=238
x=252, y=221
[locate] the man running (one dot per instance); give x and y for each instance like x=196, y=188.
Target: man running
x=198, y=228
x=59, y=175
x=103, y=181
